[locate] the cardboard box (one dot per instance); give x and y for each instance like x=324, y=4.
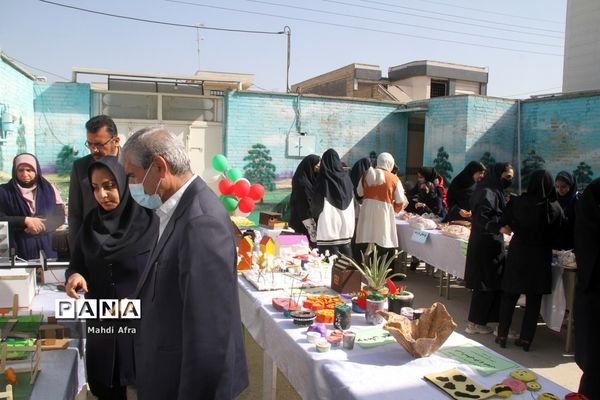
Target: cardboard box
x=19, y=281
x=269, y=219
x=344, y=278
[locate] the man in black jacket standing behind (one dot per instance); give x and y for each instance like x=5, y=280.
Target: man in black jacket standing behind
x=102, y=140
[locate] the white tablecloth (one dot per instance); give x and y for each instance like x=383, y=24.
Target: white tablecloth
x=439, y=250
x=385, y=372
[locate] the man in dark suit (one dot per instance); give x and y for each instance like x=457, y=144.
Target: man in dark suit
x=102, y=140
x=189, y=345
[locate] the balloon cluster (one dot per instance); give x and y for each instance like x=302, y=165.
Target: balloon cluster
x=236, y=192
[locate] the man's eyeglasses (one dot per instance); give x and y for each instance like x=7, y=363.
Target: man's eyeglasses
x=97, y=146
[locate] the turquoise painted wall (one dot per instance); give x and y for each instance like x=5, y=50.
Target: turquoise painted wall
x=564, y=131
x=16, y=104
x=353, y=128
x=61, y=111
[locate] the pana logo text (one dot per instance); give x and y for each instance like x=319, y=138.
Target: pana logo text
x=98, y=309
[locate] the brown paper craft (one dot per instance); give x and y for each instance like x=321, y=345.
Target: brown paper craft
x=423, y=336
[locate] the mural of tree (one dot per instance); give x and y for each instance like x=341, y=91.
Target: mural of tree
x=442, y=165
x=583, y=174
x=259, y=169
x=65, y=159
x=21, y=139
x=487, y=159
x=532, y=163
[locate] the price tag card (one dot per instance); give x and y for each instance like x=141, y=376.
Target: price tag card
x=419, y=236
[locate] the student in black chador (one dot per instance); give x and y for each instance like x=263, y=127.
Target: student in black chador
x=485, y=251
x=302, y=192
x=587, y=290
x=568, y=196
x=535, y=218
x=461, y=189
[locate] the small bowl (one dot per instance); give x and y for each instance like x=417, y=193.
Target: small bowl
x=356, y=308
x=303, y=317
x=312, y=337
x=323, y=346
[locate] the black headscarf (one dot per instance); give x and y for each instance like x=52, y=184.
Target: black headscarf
x=463, y=185
x=303, y=183
x=587, y=231
x=429, y=173
x=570, y=180
x=119, y=232
x=357, y=172
x=493, y=176
x=333, y=183
x=305, y=175
x=541, y=186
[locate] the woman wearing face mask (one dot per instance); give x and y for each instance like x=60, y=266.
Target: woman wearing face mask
x=427, y=174
x=535, y=217
x=485, y=251
x=461, y=189
x=111, y=250
x=33, y=208
x=568, y=196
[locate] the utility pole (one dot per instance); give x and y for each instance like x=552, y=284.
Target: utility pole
x=198, y=40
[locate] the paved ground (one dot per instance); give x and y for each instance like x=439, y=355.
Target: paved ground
x=546, y=356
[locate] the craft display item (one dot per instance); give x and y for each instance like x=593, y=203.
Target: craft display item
x=10, y=375
x=335, y=339
x=423, y=336
x=342, y=316
x=319, y=328
x=524, y=375
x=548, y=396
x=312, y=337
x=348, y=338
x=374, y=307
x=284, y=303
x=575, y=396
x=268, y=218
x=322, y=302
x=534, y=386
x=501, y=391
x=344, y=277
x=324, y=316
x=458, y=386
x=303, y=317
x=323, y=346
x=515, y=385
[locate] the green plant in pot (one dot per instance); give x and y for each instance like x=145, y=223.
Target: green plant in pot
x=375, y=270
x=398, y=297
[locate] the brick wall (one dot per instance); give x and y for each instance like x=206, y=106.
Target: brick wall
x=61, y=111
x=16, y=104
x=353, y=128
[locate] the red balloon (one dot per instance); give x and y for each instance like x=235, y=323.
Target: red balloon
x=257, y=191
x=225, y=186
x=246, y=204
x=241, y=188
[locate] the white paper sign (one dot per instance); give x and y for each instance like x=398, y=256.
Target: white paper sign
x=419, y=236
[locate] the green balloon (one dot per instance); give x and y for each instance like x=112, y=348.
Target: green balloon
x=219, y=163
x=229, y=202
x=234, y=174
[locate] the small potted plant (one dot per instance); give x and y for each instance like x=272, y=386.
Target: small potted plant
x=398, y=297
x=375, y=270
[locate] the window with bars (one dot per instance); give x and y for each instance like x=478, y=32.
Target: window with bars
x=438, y=88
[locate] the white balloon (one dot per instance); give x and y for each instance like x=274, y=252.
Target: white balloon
x=212, y=178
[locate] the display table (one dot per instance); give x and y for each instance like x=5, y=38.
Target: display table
x=384, y=372
x=58, y=377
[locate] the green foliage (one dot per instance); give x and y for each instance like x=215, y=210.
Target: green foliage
x=533, y=162
x=65, y=159
x=442, y=165
x=487, y=159
x=375, y=269
x=583, y=174
x=259, y=169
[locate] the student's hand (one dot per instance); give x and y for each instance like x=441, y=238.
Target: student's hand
x=506, y=230
x=34, y=225
x=75, y=282
x=419, y=205
x=465, y=213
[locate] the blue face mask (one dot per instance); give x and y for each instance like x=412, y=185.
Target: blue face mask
x=151, y=201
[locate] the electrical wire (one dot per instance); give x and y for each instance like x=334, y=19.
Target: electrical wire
x=162, y=22
x=401, y=23
x=533, y=92
x=456, y=16
x=444, y=19
x=365, y=28
x=491, y=12
x=36, y=68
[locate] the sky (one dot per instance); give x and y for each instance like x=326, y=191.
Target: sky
x=520, y=42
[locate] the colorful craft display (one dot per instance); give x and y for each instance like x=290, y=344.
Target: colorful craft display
x=458, y=386
x=237, y=193
x=321, y=302
x=324, y=316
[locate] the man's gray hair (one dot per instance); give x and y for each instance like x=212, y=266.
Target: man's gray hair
x=143, y=145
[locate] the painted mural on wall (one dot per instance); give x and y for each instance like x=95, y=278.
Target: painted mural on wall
x=531, y=163
x=259, y=168
x=487, y=159
x=442, y=165
x=583, y=174
x=65, y=159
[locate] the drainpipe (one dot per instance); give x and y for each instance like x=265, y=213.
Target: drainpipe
x=519, y=143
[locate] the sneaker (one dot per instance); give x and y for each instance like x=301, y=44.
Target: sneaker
x=511, y=334
x=473, y=328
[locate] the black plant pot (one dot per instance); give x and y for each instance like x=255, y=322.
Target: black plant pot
x=395, y=305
